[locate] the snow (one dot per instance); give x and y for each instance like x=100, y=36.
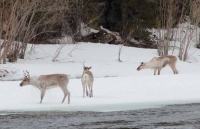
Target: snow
x=117, y=85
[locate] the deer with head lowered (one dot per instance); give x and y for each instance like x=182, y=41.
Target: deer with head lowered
x=87, y=81
x=45, y=82
x=157, y=63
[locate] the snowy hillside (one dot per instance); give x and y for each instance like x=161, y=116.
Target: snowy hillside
x=117, y=85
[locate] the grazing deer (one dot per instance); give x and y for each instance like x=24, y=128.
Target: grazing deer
x=157, y=63
x=44, y=82
x=87, y=81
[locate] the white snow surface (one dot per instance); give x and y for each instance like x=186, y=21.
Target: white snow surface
x=117, y=85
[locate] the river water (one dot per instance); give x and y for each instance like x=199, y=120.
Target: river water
x=185, y=116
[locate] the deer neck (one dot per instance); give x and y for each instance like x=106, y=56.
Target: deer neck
x=85, y=72
x=33, y=82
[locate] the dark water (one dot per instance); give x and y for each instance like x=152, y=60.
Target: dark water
x=169, y=117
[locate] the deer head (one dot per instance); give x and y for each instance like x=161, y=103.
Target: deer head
x=26, y=79
x=142, y=66
x=85, y=69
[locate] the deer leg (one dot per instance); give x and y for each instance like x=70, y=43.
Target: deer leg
x=155, y=71
x=159, y=71
x=175, y=71
x=83, y=91
x=42, y=94
x=91, y=91
x=68, y=97
x=90, y=95
x=66, y=92
x=172, y=68
x=86, y=91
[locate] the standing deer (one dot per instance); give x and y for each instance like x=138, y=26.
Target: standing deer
x=157, y=63
x=87, y=81
x=45, y=82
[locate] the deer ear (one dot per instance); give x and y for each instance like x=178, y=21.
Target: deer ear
x=90, y=67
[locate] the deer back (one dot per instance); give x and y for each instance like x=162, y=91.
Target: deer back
x=87, y=77
x=53, y=80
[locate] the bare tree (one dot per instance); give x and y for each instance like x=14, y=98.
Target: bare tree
x=17, y=31
x=195, y=21
x=169, y=11
x=21, y=21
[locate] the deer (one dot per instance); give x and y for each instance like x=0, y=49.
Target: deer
x=157, y=63
x=45, y=82
x=87, y=81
